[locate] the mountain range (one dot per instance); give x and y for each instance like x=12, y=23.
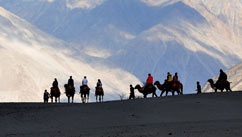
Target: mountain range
x=31, y=59
x=193, y=38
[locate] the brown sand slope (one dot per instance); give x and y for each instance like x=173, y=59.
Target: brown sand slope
x=206, y=115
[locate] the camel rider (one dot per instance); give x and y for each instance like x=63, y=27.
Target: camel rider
x=149, y=80
x=169, y=77
x=55, y=83
x=222, y=75
x=71, y=82
x=99, y=84
x=175, y=77
x=84, y=81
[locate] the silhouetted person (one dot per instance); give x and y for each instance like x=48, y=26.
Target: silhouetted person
x=132, y=95
x=55, y=83
x=169, y=77
x=84, y=81
x=199, y=88
x=175, y=77
x=71, y=82
x=46, y=96
x=99, y=84
x=222, y=75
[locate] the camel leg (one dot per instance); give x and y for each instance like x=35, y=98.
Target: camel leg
x=166, y=93
x=173, y=93
x=161, y=93
x=68, y=99
x=102, y=98
x=72, y=98
x=96, y=98
x=155, y=94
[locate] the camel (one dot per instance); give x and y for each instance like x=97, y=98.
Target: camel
x=55, y=92
x=84, y=91
x=99, y=93
x=146, y=90
x=170, y=87
x=221, y=85
x=70, y=92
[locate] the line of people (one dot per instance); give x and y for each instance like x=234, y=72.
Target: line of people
x=149, y=81
x=70, y=83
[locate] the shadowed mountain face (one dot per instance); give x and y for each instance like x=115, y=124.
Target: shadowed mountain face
x=193, y=38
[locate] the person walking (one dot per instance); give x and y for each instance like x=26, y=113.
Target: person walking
x=199, y=91
x=132, y=95
x=46, y=96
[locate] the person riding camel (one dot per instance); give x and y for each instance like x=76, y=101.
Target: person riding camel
x=175, y=77
x=169, y=77
x=222, y=75
x=99, y=84
x=149, y=81
x=84, y=81
x=71, y=82
x=55, y=83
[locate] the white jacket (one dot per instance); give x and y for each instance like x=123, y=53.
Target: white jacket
x=84, y=82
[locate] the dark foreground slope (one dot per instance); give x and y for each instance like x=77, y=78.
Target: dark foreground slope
x=206, y=115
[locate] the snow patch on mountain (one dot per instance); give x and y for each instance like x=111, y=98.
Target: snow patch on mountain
x=159, y=2
x=83, y=4
x=95, y=52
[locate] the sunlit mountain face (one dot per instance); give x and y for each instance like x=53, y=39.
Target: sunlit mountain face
x=193, y=38
x=31, y=59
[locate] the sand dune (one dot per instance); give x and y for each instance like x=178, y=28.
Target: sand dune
x=205, y=115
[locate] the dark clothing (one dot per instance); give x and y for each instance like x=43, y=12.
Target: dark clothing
x=71, y=82
x=55, y=84
x=199, y=89
x=46, y=97
x=131, y=93
x=99, y=85
x=175, y=78
x=222, y=76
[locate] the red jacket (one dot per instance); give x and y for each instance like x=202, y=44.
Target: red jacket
x=149, y=80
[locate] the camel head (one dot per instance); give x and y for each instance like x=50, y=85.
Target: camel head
x=137, y=86
x=157, y=83
x=211, y=83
